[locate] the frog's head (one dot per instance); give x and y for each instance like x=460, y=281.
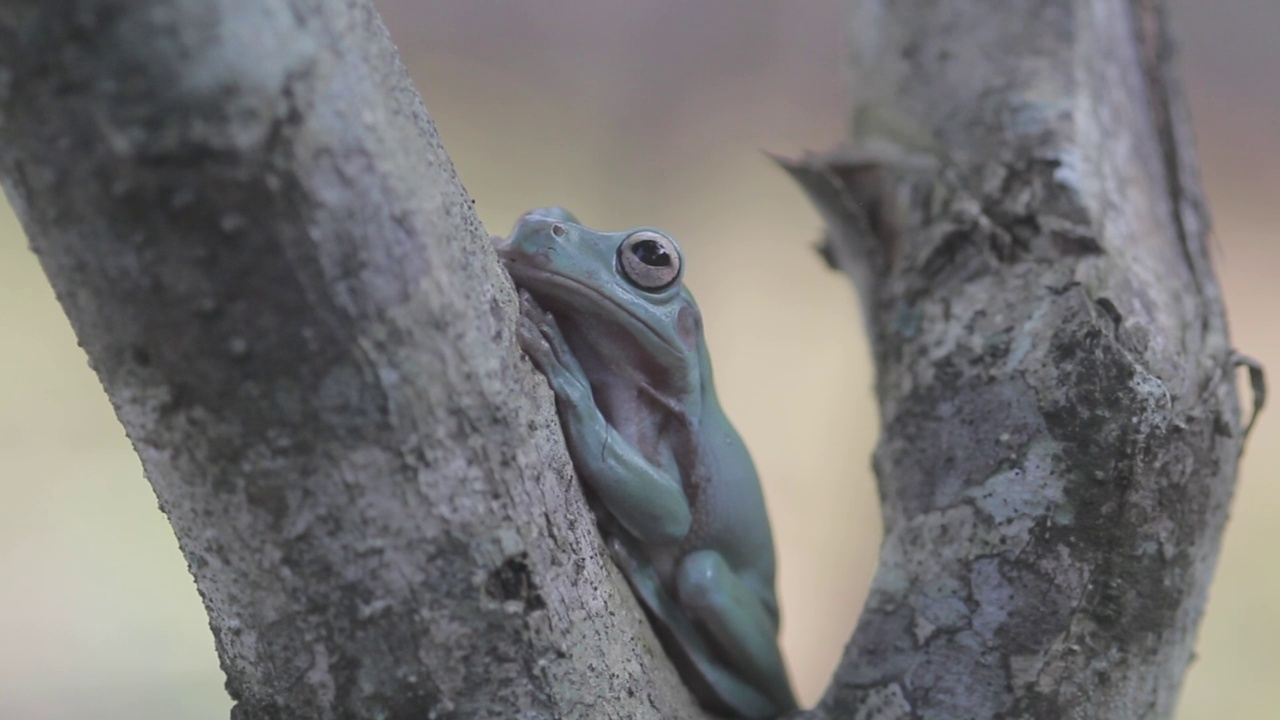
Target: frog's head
x=619, y=292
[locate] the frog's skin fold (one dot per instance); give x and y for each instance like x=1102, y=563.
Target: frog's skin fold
x=607, y=319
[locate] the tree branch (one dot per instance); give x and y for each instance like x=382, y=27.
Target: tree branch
x=263, y=249
x=1060, y=426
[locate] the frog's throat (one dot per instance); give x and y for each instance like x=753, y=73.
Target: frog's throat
x=551, y=281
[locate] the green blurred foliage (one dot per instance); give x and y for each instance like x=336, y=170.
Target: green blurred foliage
x=639, y=113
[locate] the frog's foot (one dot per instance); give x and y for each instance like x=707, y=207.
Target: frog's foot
x=541, y=339
x=740, y=625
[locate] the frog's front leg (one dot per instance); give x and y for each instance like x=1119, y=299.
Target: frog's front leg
x=736, y=618
x=646, y=501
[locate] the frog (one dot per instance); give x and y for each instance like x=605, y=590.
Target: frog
x=606, y=318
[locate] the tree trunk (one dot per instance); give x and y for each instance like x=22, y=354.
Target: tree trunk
x=265, y=252
x=1022, y=216
x=249, y=219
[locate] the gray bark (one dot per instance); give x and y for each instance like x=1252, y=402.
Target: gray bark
x=1020, y=210
x=263, y=248
x=265, y=252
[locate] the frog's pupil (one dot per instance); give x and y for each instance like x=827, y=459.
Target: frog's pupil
x=651, y=253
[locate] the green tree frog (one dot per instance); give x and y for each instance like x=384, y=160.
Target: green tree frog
x=606, y=318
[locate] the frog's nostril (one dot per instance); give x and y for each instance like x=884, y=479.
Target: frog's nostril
x=558, y=230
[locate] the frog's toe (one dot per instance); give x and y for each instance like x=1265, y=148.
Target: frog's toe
x=538, y=334
x=550, y=354
x=533, y=343
x=624, y=558
x=529, y=308
x=554, y=342
x=560, y=348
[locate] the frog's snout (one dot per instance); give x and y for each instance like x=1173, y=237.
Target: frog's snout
x=518, y=250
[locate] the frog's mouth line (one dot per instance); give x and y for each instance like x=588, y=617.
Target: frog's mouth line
x=545, y=279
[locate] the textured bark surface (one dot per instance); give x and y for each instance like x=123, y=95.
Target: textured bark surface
x=1021, y=214
x=262, y=246
x=264, y=251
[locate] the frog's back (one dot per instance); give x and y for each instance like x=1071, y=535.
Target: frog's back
x=730, y=513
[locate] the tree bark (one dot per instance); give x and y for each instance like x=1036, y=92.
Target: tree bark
x=1021, y=213
x=248, y=217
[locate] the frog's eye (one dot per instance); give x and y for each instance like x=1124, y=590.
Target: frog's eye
x=649, y=260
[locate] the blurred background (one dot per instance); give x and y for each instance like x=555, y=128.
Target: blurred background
x=629, y=113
